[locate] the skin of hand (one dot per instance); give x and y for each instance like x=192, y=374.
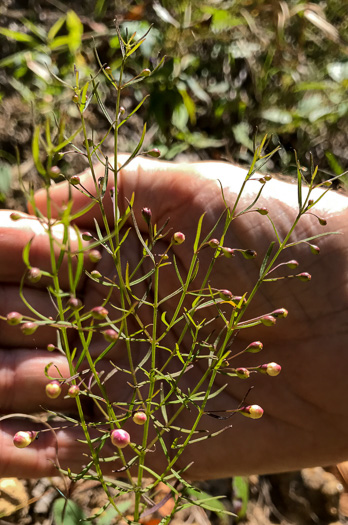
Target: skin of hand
x=305, y=419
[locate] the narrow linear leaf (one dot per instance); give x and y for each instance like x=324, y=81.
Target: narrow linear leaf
x=266, y=258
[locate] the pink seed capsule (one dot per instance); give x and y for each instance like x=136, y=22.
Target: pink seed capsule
x=213, y=243
x=155, y=153
x=227, y=252
x=53, y=390
x=268, y=320
x=110, y=335
x=95, y=274
x=225, y=294
x=292, y=264
x=75, y=180
x=74, y=303
x=273, y=369
x=29, y=328
x=86, y=236
x=120, y=438
x=34, y=275
x=280, y=312
x=73, y=391
x=14, y=318
x=15, y=216
x=254, y=347
x=262, y=211
x=99, y=312
x=94, y=256
x=249, y=254
x=140, y=417
x=304, y=277
x=178, y=238
x=23, y=438
x=147, y=215
x=54, y=172
x=314, y=249
x=252, y=411
x=242, y=373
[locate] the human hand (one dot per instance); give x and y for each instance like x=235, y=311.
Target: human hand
x=304, y=422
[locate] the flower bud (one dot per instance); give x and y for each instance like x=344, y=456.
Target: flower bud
x=74, y=303
x=178, y=238
x=304, y=277
x=145, y=73
x=51, y=348
x=249, y=254
x=262, y=211
x=322, y=222
x=86, y=236
x=34, y=275
x=268, y=320
x=120, y=438
x=239, y=298
x=280, y=313
x=75, y=98
x=54, y=172
x=252, y=411
x=314, y=249
x=53, y=390
x=227, y=252
x=73, y=391
x=99, y=312
x=271, y=369
x=29, y=328
x=122, y=110
x=96, y=275
x=110, y=335
x=107, y=69
x=262, y=180
x=292, y=264
x=242, y=373
x=14, y=318
x=139, y=417
x=213, y=243
x=155, y=153
x=75, y=180
x=94, y=256
x=23, y=438
x=254, y=347
x=15, y=216
x=225, y=294
x=147, y=215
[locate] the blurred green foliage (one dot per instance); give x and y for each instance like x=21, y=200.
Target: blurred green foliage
x=234, y=69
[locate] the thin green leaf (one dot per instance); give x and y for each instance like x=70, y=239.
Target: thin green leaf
x=311, y=238
x=68, y=140
x=16, y=35
x=136, y=151
x=83, y=105
x=36, y=151
x=133, y=112
x=266, y=258
x=198, y=233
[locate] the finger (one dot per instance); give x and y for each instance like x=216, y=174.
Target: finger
x=23, y=381
x=15, y=235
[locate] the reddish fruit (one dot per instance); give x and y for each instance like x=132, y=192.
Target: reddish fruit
x=120, y=438
x=53, y=390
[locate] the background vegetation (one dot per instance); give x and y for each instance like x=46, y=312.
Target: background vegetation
x=235, y=69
